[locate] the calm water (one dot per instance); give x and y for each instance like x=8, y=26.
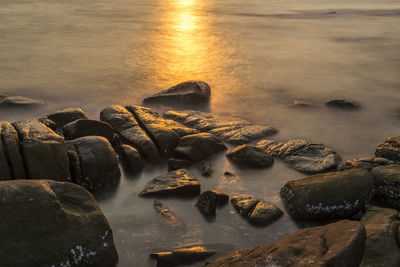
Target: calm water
x=258, y=56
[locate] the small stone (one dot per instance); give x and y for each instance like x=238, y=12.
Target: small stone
x=205, y=169
x=247, y=156
x=342, y=103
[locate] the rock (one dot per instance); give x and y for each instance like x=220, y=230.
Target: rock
x=5, y=168
x=232, y=131
x=342, y=103
x=10, y=147
x=244, y=204
x=47, y=223
x=325, y=196
x=199, y=146
x=20, y=102
x=176, y=183
x=389, y=149
x=49, y=123
x=246, y=156
x=65, y=116
x=382, y=226
x=190, y=92
x=131, y=159
x=206, y=169
x=168, y=217
x=164, y=132
x=301, y=104
x=182, y=256
x=209, y=200
x=175, y=164
x=44, y=153
x=301, y=155
x=130, y=132
x=96, y=165
x=85, y=127
x=339, y=244
x=387, y=185
x=365, y=163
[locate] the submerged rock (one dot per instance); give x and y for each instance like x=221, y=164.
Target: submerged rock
x=206, y=169
x=190, y=92
x=167, y=216
x=64, y=116
x=339, y=244
x=342, y=103
x=247, y=156
x=209, y=200
x=47, y=223
x=389, y=149
x=301, y=155
x=382, y=227
x=85, y=127
x=199, y=146
x=232, y=131
x=177, y=163
x=387, y=185
x=365, y=163
x=182, y=256
x=175, y=183
x=301, y=104
x=19, y=102
x=325, y=196
x=131, y=160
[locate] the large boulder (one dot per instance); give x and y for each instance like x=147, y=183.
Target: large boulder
x=389, y=149
x=131, y=160
x=302, y=155
x=190, y=92
x=233, y=131
x=387, y=185
x=44, y=152
x=175, y=183
x=325, y=196
x=382, y=227
x=48, y=223
x=339, y=244
x=246, y=156
x=130, y=132
x=65, y=116
x=199, y=146
x=182, y=256
x=85, y=127
x=19, y=102
x=94, y=163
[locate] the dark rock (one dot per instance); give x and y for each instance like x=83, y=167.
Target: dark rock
x=382, y=226
x=168, y=217
x=325, y=196
x=389, y=149
x=365, y=163
x=209, y=200
x=49, y=123
x=244, y=204
x=131, y=159
x=190, y=92
x=232, y=131
x=175, y=164
x=387, y=185
x=85, y=127
x=199, y=146
x=206, y=169
x=96, y=165
x=342, y=103
x=47, y=223
x=10, y=146
x=301, y=155
x=164, y=132
x=130, y=132
x=44, y=153
x=176, y=183
x=247, y=156
x=5, y=168
x=66, y=115
x=182, y=256
x=20, y=102
x=339, y=244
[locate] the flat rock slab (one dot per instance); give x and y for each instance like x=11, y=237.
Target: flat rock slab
x=387, y=185
x=85, y=127
x=389, y=149
x=325, y=196
x=175, y=183
x=246, y=156
x=365, y=163
x=232, y=131
x=168, y=217
x=20, y=102
x=302, y=155
x=182, y=256
x=190, y=92
x=382, y=227
x=48, y=223
x=339, y=244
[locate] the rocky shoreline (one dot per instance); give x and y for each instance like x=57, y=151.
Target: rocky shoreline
x=50, y=167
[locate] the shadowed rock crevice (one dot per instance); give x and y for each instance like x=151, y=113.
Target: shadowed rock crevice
x=6, y=171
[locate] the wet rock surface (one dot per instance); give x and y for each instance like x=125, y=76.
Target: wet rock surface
x=64, y=116
x=190, y=92
x=19, y=102
x=302, y=155
x=342, y=104
x=389, y=149
x=232, y=131
x=325, y=196
x=182, y=256
x=205, y=169
x=209, y=201
x=337, y=244
x=365, y=163
x=175, y=183
x=177, y=163
x=85, y=127
x=382, y=247
x=131, y=160
x=246, y=156
x=47, y=223
x=387, y=185
x=168, y=217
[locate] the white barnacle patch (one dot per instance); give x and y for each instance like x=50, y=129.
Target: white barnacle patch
x=105, y=244
x=321, y=208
